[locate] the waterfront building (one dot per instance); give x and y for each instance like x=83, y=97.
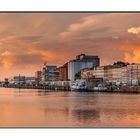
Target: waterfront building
x=124, y=75
x=30, y=80
x=98, y=72
x=82, y=61
x=22, y=80
x=38, y=75
x=50, y=73
x=110, y=74
x=115, y=76
x=127, y=75
x=63, y=72
x=19, y=80
x=103, y=72
x=87, y=73
x=133, y=74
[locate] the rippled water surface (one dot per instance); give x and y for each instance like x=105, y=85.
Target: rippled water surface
x=38, y=108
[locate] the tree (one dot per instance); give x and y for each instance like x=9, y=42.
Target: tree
x=78, y=75
x=120, y=63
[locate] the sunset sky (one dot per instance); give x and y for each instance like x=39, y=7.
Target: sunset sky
x=29, y=39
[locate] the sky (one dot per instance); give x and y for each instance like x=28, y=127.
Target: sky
x=27, y=40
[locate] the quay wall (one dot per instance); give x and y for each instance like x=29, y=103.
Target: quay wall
x=127, y=89
x=52, y=85
x=65, y=86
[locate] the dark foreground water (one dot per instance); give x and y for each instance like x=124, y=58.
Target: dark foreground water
x=37, y=108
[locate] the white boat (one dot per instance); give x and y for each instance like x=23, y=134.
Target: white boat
x=79, y=85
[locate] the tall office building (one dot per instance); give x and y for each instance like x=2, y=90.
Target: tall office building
x=82, y=61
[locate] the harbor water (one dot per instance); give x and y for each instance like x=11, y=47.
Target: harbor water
x=40, y=108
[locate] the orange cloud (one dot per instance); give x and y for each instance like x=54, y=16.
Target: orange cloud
x=47, y=55
x=134, y=30
x=86, y=23
x=131, y=53
x=7, y=59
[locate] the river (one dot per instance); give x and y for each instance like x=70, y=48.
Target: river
x=39, y=108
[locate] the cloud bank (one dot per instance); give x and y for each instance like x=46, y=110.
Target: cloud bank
x=27, y=40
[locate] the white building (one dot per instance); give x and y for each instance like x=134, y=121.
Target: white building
x=126, y=75
x=30, y=80
x=133, y=74
x=19, y=80
x=82, y=61
x=99, y=72
x=49, y=73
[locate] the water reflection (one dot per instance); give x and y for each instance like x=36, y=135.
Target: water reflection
x=64, y=111
x=38, y=108
x=85, y=114
x=121, y=117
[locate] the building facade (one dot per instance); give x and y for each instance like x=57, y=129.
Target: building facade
x=82, y=61
x=63, y=72
x=30, y=80
x=125, y=75
x=50, y=73
x=87, y=73
x=19, y=80
x=133, y=74
x=38, y=75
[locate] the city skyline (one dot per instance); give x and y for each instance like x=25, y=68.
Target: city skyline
x=27, y=40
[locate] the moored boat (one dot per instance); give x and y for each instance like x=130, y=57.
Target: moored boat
x=79, y=85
